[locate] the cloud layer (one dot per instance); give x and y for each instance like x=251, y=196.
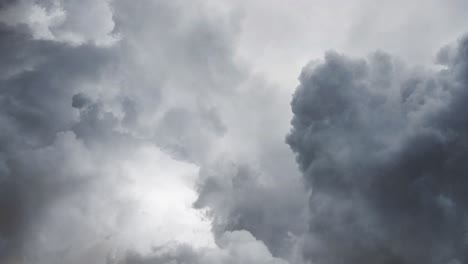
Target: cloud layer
x=111, y=123
x=383, y=149
x=143, y=132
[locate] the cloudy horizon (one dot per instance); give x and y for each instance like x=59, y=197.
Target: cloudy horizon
x=205, y=131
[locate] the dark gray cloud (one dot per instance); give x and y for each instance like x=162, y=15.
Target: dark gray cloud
x=38, y=81
x=6, y=3
x=79, y=100
x=105, y=106
x=221, y=120
x=51, y=138
x=255, y=185
x=239, y=200
x=382, y=147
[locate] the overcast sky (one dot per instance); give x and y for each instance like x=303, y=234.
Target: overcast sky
x=225, y=132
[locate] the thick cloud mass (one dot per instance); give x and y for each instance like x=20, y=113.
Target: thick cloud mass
x=235, y=247
x=114, y=114
x=143, y=132
x=34, y=110
x=383, y=149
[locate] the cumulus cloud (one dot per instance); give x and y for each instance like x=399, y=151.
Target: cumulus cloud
x=382, y=147
x=35, y=110
x=240, y=198
x=213, y=112
x=234, y=247
x=106, y=121
x=132, y=132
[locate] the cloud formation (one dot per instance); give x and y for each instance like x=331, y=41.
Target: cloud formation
x=107, y=119
x=134, y=132
x=62, y=21
x=35, y=115
x=234, y=247
x=382, y=147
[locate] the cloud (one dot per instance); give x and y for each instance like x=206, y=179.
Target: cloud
x=382, y=147
x=133, y=132
x=235, y=247
x=63, y=21
x=102, y=141
x=35, y=110
x=212, y=111
x=239, y=199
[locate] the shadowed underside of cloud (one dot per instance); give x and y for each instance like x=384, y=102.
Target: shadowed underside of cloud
x=383, y=149
x=90, y=103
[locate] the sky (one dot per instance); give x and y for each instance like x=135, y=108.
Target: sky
x=233, y=132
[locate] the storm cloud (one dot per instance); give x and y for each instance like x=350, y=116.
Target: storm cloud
x=383, y=149
x=153, y=131
x=106, y=121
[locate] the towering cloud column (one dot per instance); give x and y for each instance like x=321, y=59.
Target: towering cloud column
x=383, y=148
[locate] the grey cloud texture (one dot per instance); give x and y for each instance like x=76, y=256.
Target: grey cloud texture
x=62, y=21
x=35, y=109
x=132, y=132
x=86, y=98
x=383, y=149
x=222, y=118
x=239, y=199
x=235, y=247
